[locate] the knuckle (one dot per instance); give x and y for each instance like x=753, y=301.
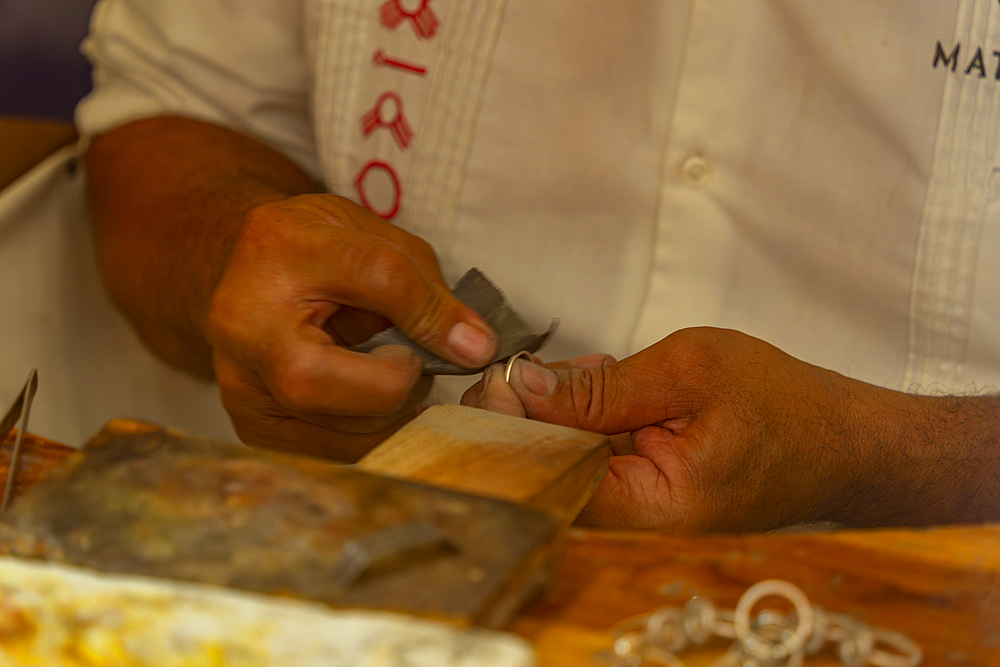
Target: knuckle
x=301, y=383
x=427, y=316
x=388, y=272
x=288, y=224
x=226, y=318
x=261, y=225
x=219, y=325
x=381, y=266
x=423, y=248
x=333, y=209
x=689, y=344
x=589, y=390
x=390, y=267
x=391, y=397
x=344, y=208
x=292, y=384
x=697, y=353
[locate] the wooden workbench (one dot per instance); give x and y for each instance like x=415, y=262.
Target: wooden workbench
x=940, y=586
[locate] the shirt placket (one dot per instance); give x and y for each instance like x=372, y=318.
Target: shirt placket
x=965, y=154
x=678, y=281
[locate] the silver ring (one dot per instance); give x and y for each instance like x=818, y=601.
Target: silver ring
x=907, y=653
x=510, y=363
x=787, y=648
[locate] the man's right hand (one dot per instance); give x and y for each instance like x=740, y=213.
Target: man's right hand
x=308, y=277
x=229, y=264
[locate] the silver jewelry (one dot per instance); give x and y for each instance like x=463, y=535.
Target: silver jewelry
x=510, y=363
x=769, y=639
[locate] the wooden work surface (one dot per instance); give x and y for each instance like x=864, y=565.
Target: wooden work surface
x=939, y=586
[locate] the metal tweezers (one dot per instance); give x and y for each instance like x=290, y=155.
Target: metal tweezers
x=21, y=409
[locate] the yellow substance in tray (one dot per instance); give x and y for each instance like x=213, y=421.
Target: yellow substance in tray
x=60, y=616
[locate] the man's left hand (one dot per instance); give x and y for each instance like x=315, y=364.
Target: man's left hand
x=715, y=430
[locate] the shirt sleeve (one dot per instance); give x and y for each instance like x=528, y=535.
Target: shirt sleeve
x=240, y=64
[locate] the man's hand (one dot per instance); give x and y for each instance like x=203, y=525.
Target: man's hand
x=720, y=431
x=308, y=277
x=229, y=267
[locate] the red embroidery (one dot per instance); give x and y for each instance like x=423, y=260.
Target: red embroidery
x=373, y=119
x=424, y=21
x=359, y=183
x=425, y=24
x=382, y=59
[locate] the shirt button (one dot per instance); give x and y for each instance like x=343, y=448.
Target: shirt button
x=696, y=170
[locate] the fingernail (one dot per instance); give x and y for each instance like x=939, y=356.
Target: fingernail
x=537, y=379
x=470, y=343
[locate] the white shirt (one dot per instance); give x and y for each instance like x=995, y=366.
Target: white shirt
x=821, y=175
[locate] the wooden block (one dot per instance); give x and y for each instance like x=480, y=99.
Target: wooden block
x=552, y=468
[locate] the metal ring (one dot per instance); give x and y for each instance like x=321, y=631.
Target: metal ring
x=665, y=628
x=629, y=645
x=856, y=647
x=699, y=619
x=776, y=588
x=630, y=625
x=738, y=657
x=909, y=653
x=821, y=622
x=510, y=363
x=724, y=625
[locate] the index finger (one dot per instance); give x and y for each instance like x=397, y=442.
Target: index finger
x=375, y=274
x=326, y=263
x=326, y=379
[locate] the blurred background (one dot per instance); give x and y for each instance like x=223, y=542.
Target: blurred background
x=57, y=316
x=42, y=77
x=42, y=74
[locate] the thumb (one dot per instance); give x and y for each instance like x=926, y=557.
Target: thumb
x=603, y=399
x=447, y=327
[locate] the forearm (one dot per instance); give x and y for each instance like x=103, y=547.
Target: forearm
x=169, y=196
x=926, y=459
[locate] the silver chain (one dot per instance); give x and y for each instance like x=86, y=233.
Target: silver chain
x=768, y=639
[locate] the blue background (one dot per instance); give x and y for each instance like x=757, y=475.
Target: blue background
x=42, y=73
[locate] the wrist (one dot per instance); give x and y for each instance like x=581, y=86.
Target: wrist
x=876, y=456
x=919, y=460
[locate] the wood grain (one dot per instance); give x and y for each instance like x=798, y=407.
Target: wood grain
x=941, y=586
x=549, y=467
